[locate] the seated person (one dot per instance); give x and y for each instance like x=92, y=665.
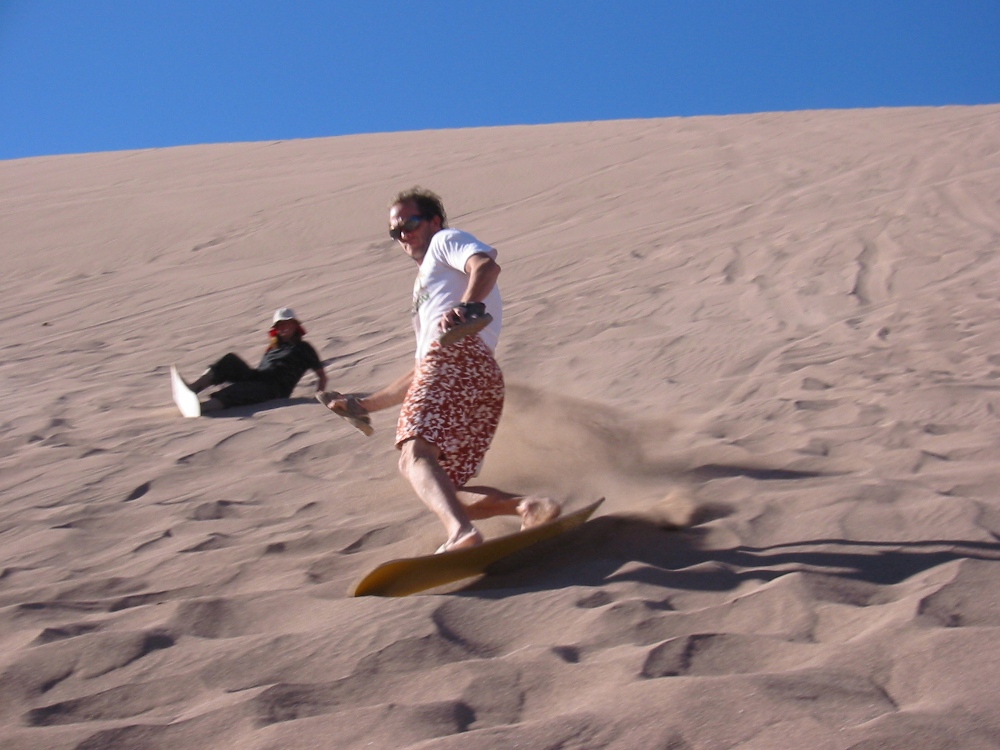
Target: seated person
x=284, y=363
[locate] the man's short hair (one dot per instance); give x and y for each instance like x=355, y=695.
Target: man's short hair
x=428, y=202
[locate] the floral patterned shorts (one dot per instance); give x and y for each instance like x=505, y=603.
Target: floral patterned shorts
x=454, y=403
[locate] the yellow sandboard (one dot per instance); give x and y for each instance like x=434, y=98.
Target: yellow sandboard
x=409, y=575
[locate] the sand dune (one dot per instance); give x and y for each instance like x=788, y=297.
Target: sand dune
x=771, y=341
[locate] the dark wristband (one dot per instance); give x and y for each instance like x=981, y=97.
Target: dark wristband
x=475, y=309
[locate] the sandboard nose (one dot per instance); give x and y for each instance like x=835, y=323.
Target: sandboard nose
x=186, y=399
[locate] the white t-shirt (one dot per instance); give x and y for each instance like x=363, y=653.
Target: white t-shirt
x=442, y=281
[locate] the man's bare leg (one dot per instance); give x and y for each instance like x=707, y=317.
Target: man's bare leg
x=486, y=502
x=418, y=463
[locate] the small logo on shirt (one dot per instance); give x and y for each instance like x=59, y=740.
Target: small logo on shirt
x=420, y=296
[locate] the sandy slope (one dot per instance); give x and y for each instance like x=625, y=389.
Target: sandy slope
x=778, y=331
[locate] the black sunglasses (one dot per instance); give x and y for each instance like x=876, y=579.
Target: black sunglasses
x=409, y=225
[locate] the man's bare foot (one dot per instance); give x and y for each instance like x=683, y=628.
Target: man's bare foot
x=471, y=538
x=535, y=511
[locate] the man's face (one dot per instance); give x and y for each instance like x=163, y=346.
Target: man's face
x=411, y=230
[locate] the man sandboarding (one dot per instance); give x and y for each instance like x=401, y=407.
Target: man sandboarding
x=452, y=398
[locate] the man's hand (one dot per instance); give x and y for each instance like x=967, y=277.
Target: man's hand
x=351, y=403
x=348, y=406
x=451, y=319
x=460, y=313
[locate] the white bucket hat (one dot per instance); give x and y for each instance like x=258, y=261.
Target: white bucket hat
x=283, y=313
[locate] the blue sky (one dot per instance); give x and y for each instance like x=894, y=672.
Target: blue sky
x=101, y=75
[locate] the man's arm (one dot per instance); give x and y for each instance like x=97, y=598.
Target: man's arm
x=392, y=395
x=483, y=272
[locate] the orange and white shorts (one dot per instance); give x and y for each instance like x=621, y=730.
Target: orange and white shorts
x=454, y=403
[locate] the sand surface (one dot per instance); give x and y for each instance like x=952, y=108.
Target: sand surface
x=772, y=341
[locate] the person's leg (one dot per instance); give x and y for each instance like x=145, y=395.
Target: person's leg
x=450, y=414
x=204, y=380
x=242, y=393
x=229, y=369
x=213, y=404
x=485, y=502
x=418, y=463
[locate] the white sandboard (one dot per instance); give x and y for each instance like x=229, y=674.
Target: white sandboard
x=186, y=399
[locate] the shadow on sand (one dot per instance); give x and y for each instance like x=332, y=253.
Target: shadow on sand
x=607, y=549
x=237, y=412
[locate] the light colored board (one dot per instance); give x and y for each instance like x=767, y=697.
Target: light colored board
x=409, y=575
x=186, y=399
